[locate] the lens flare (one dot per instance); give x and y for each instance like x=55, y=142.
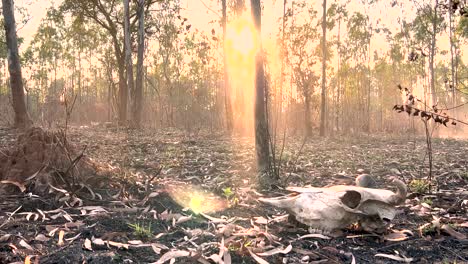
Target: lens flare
x=196, y=199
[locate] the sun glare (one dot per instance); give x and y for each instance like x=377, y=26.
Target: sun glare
x=241, y=46
x=241, y=36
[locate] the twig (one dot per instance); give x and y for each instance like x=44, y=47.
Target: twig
x=76, y=160
x=437, y=114
x=297, y=156
x=152, y=178
x=12, y=214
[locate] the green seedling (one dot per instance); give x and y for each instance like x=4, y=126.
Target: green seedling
x=427, y=201
x=419, y=186
x=430, y=229
x=230, y=196
x=228, y=193
x=141, y=230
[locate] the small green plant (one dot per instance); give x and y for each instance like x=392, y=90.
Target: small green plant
x=228, y=193
x=464, y=175
x=429, y=229
x=419, y=186
x=230, y=196
x=141, y=230
x=427, y=201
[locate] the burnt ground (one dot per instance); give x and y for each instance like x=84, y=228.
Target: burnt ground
x=136, y=219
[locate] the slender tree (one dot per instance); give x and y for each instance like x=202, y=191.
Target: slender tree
x=128, y=48
x=105, y=13
x=22, y=119
x=261, y=125
x=432, y=52
x=227, y=90
x=323, y=108
x=452, y=57
x=138, y=97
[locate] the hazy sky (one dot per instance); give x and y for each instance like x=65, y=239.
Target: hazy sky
x=202, y=14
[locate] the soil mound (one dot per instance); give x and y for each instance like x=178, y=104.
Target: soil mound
x=39, y=159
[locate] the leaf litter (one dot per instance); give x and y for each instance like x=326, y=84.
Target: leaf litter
x=193, y=199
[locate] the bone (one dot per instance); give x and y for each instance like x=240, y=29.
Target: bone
x=400, y=195
x=337, y=207
x=366, y=181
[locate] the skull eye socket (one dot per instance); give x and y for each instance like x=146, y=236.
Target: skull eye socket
x=351, y=199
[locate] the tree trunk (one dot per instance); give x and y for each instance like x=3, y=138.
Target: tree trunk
x=261, y=127
x=138, y=98
x=22, y=119
x=307, y=114
x=227, y=93
x=324, y=68
x=338, y=97
x=128, y=49
x=369, y=84
x=432, y=53
x=452, y=61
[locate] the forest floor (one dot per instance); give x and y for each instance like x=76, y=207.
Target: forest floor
x=191, y=197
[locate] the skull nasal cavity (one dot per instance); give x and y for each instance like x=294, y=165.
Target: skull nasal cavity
x=351, y=199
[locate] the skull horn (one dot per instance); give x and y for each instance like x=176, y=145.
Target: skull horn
x=281, y=202
x=400, y=196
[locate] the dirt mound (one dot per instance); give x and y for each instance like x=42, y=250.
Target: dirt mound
x=39, y=159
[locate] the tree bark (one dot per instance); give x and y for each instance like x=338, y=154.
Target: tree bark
x=307, y=114
x=324, y=68
x=452, y=61
x=338, y=98
x=128, y=49
x=261, y=126
x=432, y=54
x=227, y=90
x=22, y=119
x=138, y=98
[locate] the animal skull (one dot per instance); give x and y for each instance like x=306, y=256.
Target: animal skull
x=334, y=208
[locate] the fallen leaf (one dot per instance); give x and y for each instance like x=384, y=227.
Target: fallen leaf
x=257, y=258
x=214, y=219
x=17, y=184
x=98, y=241
x=314, y=236
x=25, y=245
x=41, y=238
x=397, y=236
x=156, y=249
x=449, y=230
x=172, y=255
x=226, y=230
x=184, y=219
x=260, y=220
x=51, y=230
x=395, y=257
x=71, y=239
x=4, y=238
x=227, y=257
x=87, y=245
x=75, y=224
x=276, y=251
x=160, y=235
x=118, y=245
x=60, y=238
x=281, y=218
